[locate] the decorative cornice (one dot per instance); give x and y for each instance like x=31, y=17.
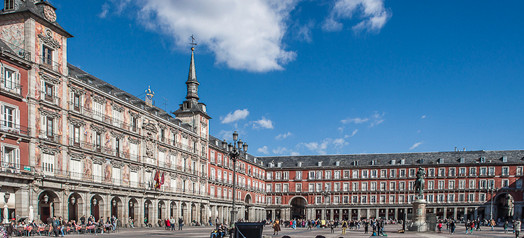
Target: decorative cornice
x=49, y=40
x=133, y=114
x=117, y=135
x=134, y=168
x=49, y=78
x=116, y=164
x=48, y=150
x=117, y=107
x=77, y=90
x=45, y=112
x=99, y=129
x=134, y=140
x=150, y=127
x=162, y=149
x=99, y=99
x=162, y=126
x=98, y=160
x=76, y=121
x=76, y=156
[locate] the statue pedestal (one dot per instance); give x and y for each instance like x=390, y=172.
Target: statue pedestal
x=419, y=216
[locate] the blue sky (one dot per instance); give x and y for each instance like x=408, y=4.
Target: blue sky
x=320, y=77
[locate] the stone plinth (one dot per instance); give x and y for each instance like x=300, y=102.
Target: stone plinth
x=419, y=216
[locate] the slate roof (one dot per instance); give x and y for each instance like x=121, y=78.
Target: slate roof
x=87, y=78
x=218, y=146
x=381, y=160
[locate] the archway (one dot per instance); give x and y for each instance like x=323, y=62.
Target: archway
x=193, y=213
x=117, y=208
x=74, y=202
x=147, y=206
x=133, y=204
x=505, y=206
x=172, y=210
x=183, y=211
x=97, y=204
x=47, y=201
x=247, y=201
x=298, y=208
x=161, y=207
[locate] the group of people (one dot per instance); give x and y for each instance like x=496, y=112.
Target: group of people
x=58, y=226
x=377, y=225
x=171, y=223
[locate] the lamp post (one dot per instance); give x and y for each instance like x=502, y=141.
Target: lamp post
x=326, y=194
x=491, y=191
x=235, y=150
x=6, y=209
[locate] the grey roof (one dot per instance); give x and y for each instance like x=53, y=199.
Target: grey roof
x=381, y=160
x=217, y=145
x=87, y=78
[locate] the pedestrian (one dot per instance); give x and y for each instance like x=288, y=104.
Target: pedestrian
x=439, y=227
x=506, y=227
x=344, y=226
x=276, y=227
x=180, y=223
x=516, y=226
x=492, y=223
x=452, y=227
x=332, y=227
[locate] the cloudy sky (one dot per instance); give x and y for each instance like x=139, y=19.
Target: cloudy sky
x=319, y=77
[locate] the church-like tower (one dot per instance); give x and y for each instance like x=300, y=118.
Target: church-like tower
x=191, y=111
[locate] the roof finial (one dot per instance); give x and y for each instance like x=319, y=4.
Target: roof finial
x=193, y=43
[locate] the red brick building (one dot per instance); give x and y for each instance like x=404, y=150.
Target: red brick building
x=468, y=185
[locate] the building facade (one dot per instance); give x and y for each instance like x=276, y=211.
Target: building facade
x=73, y=145
x=458, y=185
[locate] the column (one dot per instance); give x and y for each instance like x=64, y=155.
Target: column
x=376, y=213
x=340, y=214
x=367, y=213
x=323, y=216
x=139, y=219
x=445, y=213
x=387, y=213
x=476, y=213
x=396, y=213
x=466, y=213
x=125, y=211
x=455, y=213
x=358, y=214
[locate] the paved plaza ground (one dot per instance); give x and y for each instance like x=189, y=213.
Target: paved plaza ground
x=204, y=232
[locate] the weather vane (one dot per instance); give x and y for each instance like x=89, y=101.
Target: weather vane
x=149, y=92
x=193, y=40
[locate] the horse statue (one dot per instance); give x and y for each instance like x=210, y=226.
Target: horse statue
x=419, y=183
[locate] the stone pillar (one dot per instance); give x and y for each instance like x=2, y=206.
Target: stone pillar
x=367, y=213
x=455, y=213
x=396, y=213
x=445, y=212
x=139, y=219
x=358, y=214
x=387, y=213
x=466, y=213
x=376, y=213
x=340, y=214
x=323, y=216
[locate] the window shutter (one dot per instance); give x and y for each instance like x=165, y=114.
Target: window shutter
x=4, y=117
x=17, y=87
x=42, y=88
x=17, y=119
x=43, y=130
x=71, y=100
x=17, y=154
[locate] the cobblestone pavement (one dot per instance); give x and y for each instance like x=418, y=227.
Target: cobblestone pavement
x=391, y=230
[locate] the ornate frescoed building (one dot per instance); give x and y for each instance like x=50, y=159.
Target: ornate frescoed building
x=73, y=145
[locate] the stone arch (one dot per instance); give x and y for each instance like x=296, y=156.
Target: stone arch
x=133, y=207
x=298, y=207
x=75, y=203
x=117, y=208
x=148, y=206
x=504, y=206
x=48, y=205
x=248, y=198
x=97, y=206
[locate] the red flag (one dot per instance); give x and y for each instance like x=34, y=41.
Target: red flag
x=157, y=179
x=162, y=179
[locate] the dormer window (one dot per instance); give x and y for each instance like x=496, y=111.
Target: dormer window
x=440, y=161
x=402, y=161
x=504, y=159
x=279, y=164
x=337, y=163
x=319, y=163
x=393, y=162
x=421, y=161
x=271, y=165
x=373, y=162
x=482, y=159
x=355, y=163
x=299, y=164
x=462, y=160
x=9, y=5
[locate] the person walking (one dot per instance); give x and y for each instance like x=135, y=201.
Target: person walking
x=492, y=223
x=506, y=225
x=276, y=227
x=344, y=227
x=180, y=223
x=516, y=226
x=332, y=227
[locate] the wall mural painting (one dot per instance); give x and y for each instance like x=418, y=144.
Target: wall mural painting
x=108, y=173
x=125, y=175
x=88, y=168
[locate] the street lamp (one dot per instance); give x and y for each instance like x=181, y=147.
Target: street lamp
x=6, y=196
x=326, y=194
x=235, y=150
x=73, y=200
x=491, y=191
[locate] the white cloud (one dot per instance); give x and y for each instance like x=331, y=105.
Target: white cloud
x=371, y=14
x=304, y=32
x=105, y=10
x=227, y=135
x=354, y=132
x=415, y=145
x=293, y=153
x=263, y=150
x=283, y=136
x=235, y=116
x=423, y=117
x=373, y=120
x=263, y=123
x=356, y=120
x=244, y=35
x=327, y=144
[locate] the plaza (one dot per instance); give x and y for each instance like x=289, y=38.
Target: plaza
x=391, y=230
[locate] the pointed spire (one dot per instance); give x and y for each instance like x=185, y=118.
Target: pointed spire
x=192, y=83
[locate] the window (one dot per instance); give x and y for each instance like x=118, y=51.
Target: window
x=383, y=173
x=472, y=171
x=337, y=174
x=48, y=163
x=373, y=186
x=364, y=173
x=431, y=172
x=354, y=174
x=401, y=198
x=285, y=188
x=462, y=171
x=9, y=5
x=285, y=175
x=462, y=184
x=505, y=183
x=431, y=185
x=97, y=173
x=373, y=199
x=76, y=135
x=411, y=172
x=318, y=200
x=483, y=171
x=471, y=197
x=328, y=175
x=48, y=127
x=451, y=197
x=345, y=187
x=298, y=175
x=483, y=184
x=298, y=187
x=364, y=186
x=98, y=110
x=441, y=172
x=402, y=173
x=336, y=199
x=11, y=157
x=471, y=184
x=430, y=198
x=402, y=185
x=392, y=186
x=278, y=188
x=452, y=172
x=346, y=174
x=268, y=188
x=10, y=118
x=98, y=141
x=491, y=171
x=47, y=55
x=451, y=184
x=117, y=147
x=319, y=187
x=311, y=175
x=374, y=173
x=482, y=197
x=354, y=199
x=382, y=186
x=505, y=171
x=519, y=171
x=441, y=184
x=319, y=175
x=268, y=200
x=354, y=186
x=327, y=187
x=337, y=187
x=11, y=80
x=76, y=102
x=392, y=173
x=364, y=199
x=311, y=187
x=134, y=125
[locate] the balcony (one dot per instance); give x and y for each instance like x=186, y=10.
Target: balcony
x=51, y=65
x=11, y=88
x=52, y=99
x=10, y=127
x=50, y=137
